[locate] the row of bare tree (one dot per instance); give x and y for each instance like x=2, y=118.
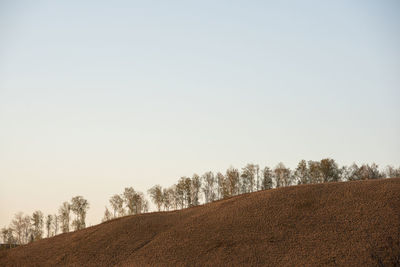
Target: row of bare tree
x=188, y=192
x=128, y=203
x=24, y=228
x=209, y=187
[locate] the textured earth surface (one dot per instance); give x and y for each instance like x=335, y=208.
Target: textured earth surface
x=332, y=224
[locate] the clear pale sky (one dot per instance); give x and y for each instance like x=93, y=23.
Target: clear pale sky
x=98, y=96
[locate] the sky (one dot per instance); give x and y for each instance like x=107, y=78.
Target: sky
x=102, y=95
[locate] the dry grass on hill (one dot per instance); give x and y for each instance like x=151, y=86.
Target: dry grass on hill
x=346, y=224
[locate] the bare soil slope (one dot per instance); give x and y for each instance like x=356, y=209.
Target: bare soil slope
x=352, y=224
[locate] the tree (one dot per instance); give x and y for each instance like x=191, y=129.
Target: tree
x=188, y=191
x=374, y=172
x=145, y=206
x=7, y=234
x=266, y=182
x=175, y=197
x=301, y=173
x=27, y=228
x=55, y=224
x=232, y=179
x=21, y=227
x=37, y=225
x=138, y=200
x=130, y=197
x=353, y=173
x=64, y=212
x=195, y=189
x=244, y=182
x=314, y=170
x=183, y=192
x=258, y=177
x=17, y=226
x=156, y=195
x=221, y=186
x=180, y=193
x=79, y=206
x=4, y=231
x=392, y=172
x=140, y=203
x=366, y=172
x=249, y=173
x=49, y=223
x=168, y=198
x=282, y=175
x=330, y=171
x=208, y=187
x=344, y=173
x=107, y=215
x=117, y=204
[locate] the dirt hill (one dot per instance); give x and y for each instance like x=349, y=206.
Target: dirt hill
x=352, y=224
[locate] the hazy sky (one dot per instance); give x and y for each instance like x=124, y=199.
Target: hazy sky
x=99, y=96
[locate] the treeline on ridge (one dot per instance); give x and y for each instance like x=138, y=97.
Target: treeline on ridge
x=188, y=192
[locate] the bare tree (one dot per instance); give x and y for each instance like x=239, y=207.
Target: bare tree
x=266, y=182
x=145, y=206
x=249, y=175
x=175, y=197
x=282, y=175
x=117, y=204
x=138, y=198
x=168, y=198
x=107, y=215
x=353, y=173
x=37, y=225
x=4, y=233
x=7, y=234
x=374, y=172
x=329, y=170
x=17, y=225
x=20, y=226
x=301, y=173
x=232, y=180
x=344, y=173
x=27, y=228
x=64, y=212
x=79, y=206
x=183, y=192
x=366, y=172
x=392, y=172
x=49, y=223
x=140, y=203
x=314, y=170
x=209, y=187
x=180, y=193
x=55, y=224
x=221, y=186
x=244, y=182
x=195, y=189
x=130, y=197
x=186, y=184
x=258, y=177
x=156, y=194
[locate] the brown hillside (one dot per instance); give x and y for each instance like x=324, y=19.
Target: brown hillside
x=352, y=224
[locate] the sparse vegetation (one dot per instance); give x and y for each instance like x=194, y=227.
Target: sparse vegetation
x=188, y=192
x=344, y=224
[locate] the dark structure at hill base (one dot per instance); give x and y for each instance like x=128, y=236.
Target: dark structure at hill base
x=345, y=224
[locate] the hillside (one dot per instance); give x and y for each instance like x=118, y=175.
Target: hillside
x=352, y=223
